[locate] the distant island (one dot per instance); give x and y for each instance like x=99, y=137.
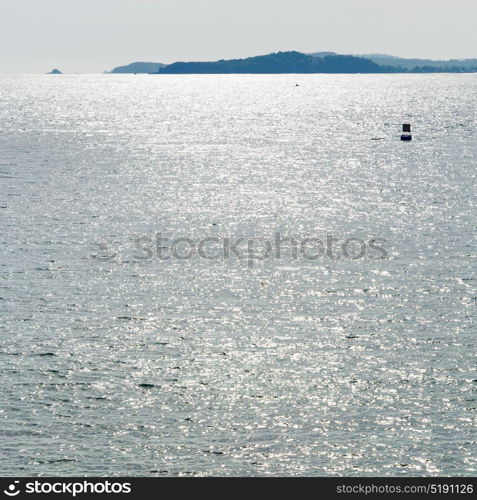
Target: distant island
x=298, y=62
x=279, y=62
x=139, y=67
x=55, y=72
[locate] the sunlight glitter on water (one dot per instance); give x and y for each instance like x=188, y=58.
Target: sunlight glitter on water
x=209, y=367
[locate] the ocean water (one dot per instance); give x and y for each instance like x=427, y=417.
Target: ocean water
x=116, y=360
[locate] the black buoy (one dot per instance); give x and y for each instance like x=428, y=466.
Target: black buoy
x=406, y=132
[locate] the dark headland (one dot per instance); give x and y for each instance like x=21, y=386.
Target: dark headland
x=298, y=62
x=55, y=72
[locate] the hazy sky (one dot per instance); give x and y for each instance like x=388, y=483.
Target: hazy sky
x=97, y=35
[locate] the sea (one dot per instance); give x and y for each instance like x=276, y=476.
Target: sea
x=238, y=275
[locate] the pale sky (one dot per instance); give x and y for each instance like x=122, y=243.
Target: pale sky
x=90, y=36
